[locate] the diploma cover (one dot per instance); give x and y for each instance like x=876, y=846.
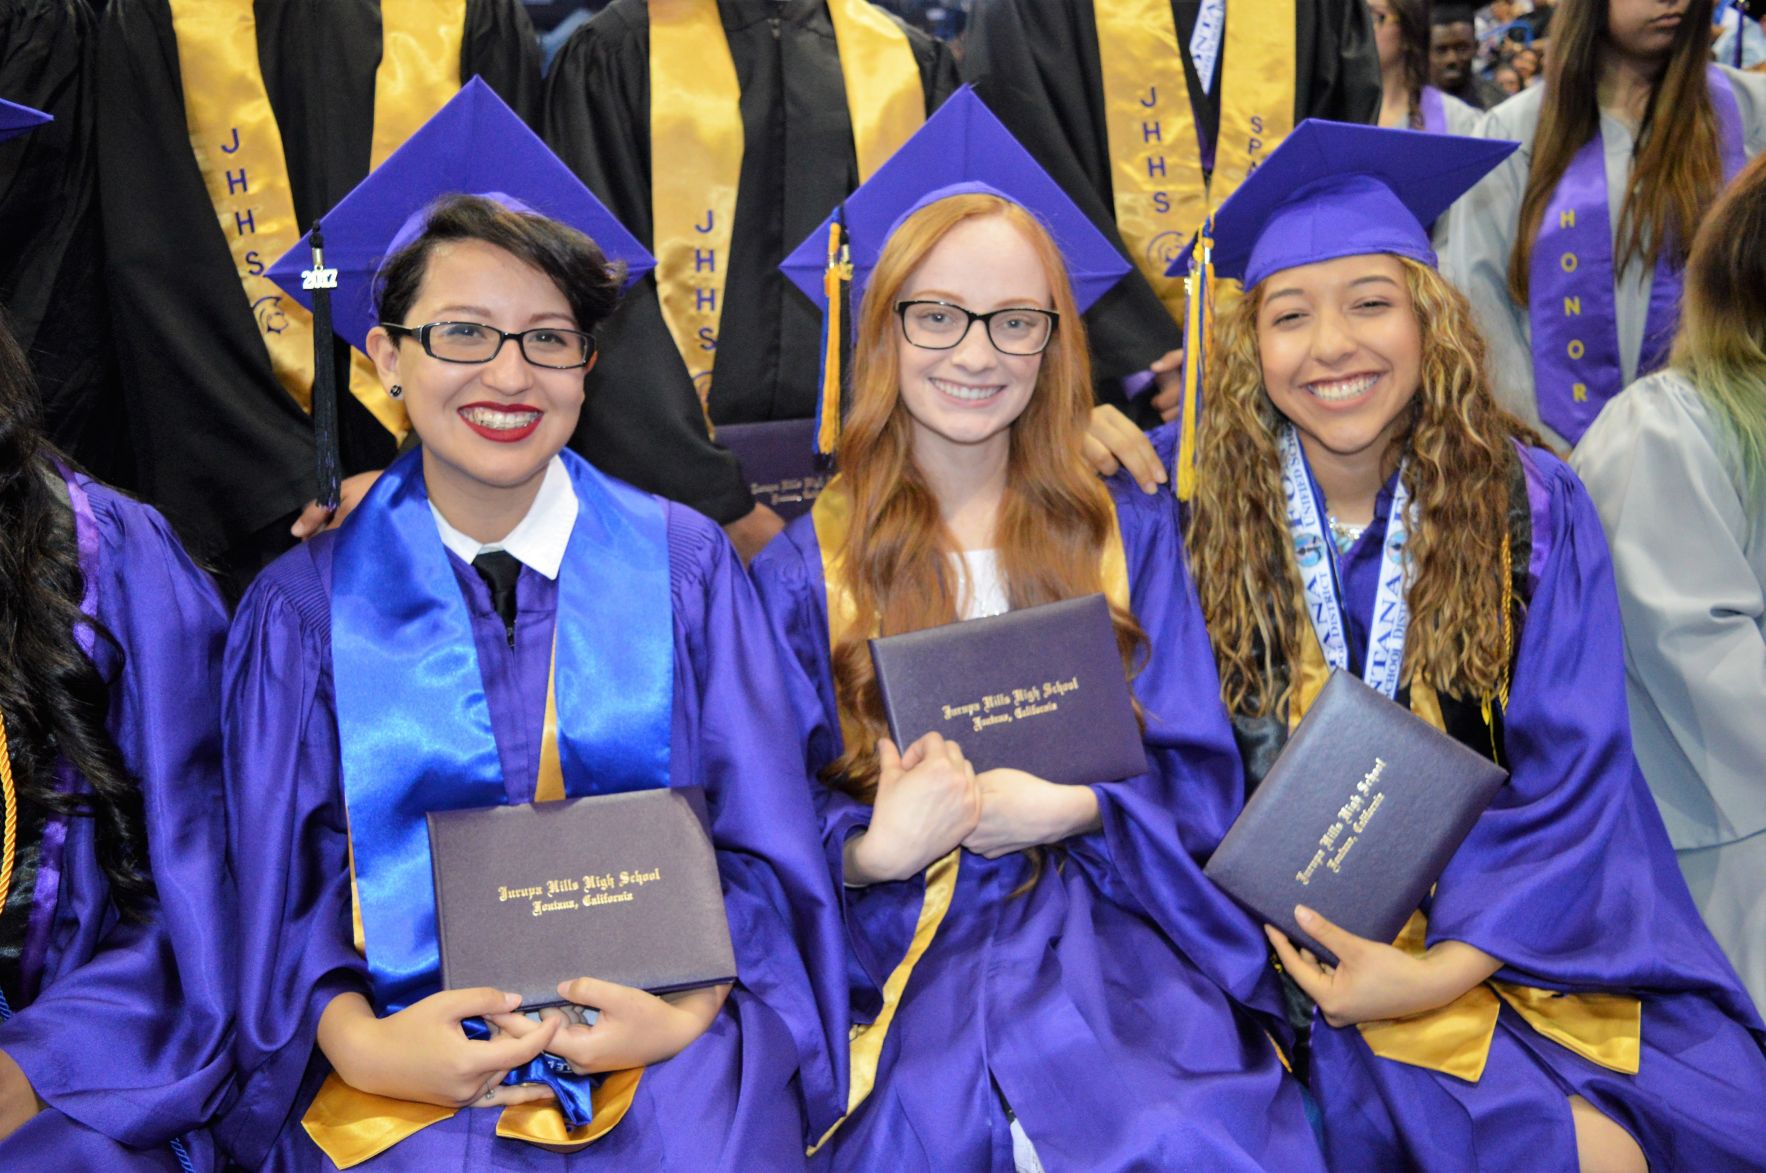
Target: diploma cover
x=1356, y=819
x=779, y=462
x=622, y=887
x=1040, y=689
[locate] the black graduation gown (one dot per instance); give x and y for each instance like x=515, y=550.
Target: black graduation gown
x=1035, y=63
x=222, y=449
x=50, y=266
x=643, y=421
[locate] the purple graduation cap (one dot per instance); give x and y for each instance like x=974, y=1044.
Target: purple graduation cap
x=16, y=120
x=474, y=145
x=1330, y=190
x=961, y=144
x=962, y=148
x=1337, y=189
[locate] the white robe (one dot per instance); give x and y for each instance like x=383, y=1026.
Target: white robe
x=1689, y=551
x=1486, y=220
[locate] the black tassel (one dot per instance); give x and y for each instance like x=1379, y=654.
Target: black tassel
x=326, y=458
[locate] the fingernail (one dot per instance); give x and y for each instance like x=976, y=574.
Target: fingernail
x=1303, y=914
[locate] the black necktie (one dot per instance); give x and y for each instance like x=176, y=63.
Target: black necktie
x=500, y=569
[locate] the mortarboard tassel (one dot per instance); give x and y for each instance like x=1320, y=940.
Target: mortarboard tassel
x=1198, y=328
x=320, y=281
x=836, y=279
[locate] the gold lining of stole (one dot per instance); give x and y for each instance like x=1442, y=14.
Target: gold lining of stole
x=696, y=144
x=1159, y=194
x=238, y=149
x=832, y=516
x=1455, y=1039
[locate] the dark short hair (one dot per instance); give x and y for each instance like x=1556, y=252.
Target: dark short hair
x=575, y=263
x=1452, y=14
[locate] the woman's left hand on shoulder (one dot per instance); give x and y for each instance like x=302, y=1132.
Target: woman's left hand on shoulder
x=1020, y=810
x=634, y=1028
x=1373, y=981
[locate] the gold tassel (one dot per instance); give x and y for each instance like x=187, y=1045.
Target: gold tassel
x=1198, y=324
x=834, y=279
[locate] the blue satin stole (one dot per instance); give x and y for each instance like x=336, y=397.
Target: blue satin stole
x=414, y=725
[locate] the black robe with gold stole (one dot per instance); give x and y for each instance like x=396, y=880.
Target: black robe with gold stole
x=222, y=448
x=643, y=420
x=1036, y=64
x=50, y=280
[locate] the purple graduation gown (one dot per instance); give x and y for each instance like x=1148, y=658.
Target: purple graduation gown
x=736, y=1098
x=1569, y=878
x=127, y=1036
x=1102, y=1003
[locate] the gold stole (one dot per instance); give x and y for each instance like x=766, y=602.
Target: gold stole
x=696, y=148
x=238, y=149
x=350, y=1126
x=1455, y=1039
x=832, y=515
x=1160, y=194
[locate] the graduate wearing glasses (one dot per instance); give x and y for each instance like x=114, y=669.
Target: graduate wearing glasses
x=498, y=622
x=1061, y=986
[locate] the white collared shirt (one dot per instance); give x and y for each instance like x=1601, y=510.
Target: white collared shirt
x=539, y=538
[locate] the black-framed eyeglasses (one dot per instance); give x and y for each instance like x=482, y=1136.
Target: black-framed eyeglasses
x=939, y=325
x=474, y=342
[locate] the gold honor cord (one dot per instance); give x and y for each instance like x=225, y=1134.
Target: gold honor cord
x=696, y=146
x=9, y=791
x=238, y=149
x=1455, y=1039
x=350, y=1126
x=1158, y=190
x=832, y=516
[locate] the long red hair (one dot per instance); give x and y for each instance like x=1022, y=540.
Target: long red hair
x=897, y=559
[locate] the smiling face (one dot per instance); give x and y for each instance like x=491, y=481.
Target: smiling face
x=487, y=428
x=965, y=399
x=1341, y=351
x=1644, y=29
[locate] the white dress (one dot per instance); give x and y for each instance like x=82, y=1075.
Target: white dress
x=1689, y=549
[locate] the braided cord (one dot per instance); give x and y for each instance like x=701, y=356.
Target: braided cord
x=9, y=791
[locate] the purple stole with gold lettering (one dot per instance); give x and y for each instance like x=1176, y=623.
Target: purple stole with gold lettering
x=1573, y=309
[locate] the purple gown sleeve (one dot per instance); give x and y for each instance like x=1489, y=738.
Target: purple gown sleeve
x=130, y=1033
x=287, y=841
x=1160, y=828
x=881, y=917
x=1568, y=876
x=739, y=730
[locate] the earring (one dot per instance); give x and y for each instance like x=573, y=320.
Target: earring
x=395, y=391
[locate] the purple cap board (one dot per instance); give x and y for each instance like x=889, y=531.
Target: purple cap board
x=961, y=148
x=16, y=120
x=473, y=145
x=1336, y=189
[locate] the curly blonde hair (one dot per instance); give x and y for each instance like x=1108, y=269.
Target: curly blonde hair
x=1459, y=442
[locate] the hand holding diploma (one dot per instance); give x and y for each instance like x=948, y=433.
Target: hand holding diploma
x=1373, y=981
x=633, y=1028
x=422, y=1054
x=1020, y=810
x=927, y=803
